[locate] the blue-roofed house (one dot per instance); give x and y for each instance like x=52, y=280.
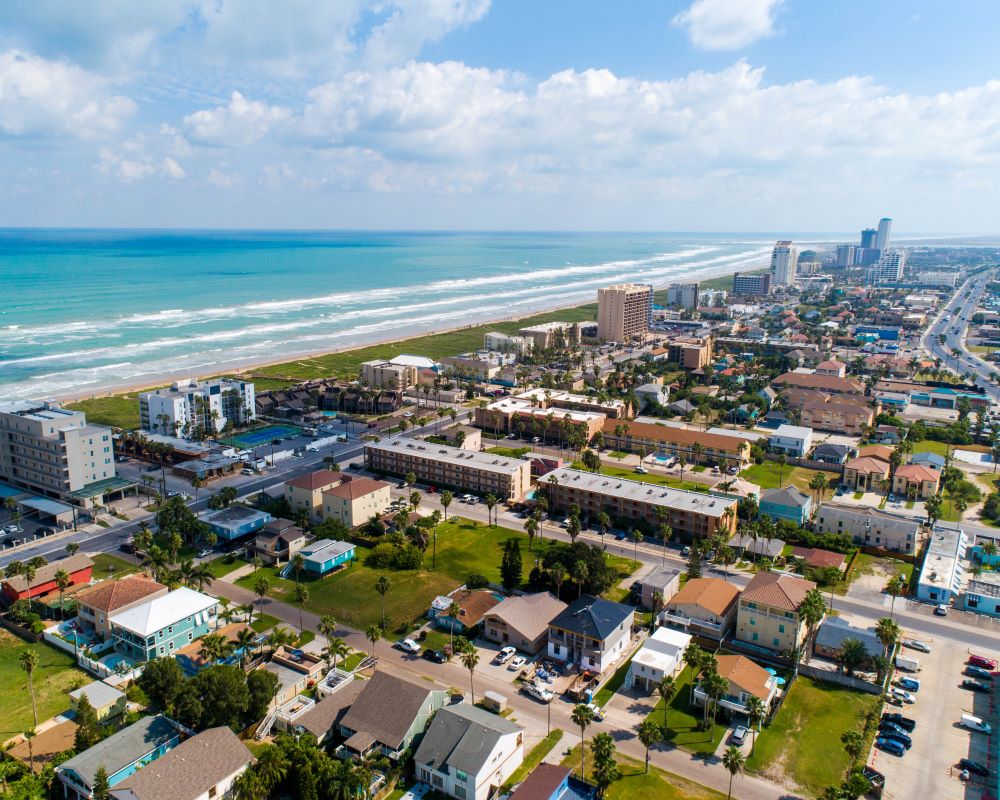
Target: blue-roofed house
x=786, y=503
x=325, y=555
x=932, y=460
x=236, y=522
x=591, y=633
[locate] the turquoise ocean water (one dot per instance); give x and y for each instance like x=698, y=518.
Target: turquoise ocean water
x=85, y=310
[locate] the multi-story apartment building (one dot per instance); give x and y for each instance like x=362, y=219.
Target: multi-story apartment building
x=696, y=514
x=442, y=466
x=528, y=419
x=696, y=447
x=497, y=342
x=397, y=374
x=768, y=614
x=690, y=352
x=870, y=528
x=52, y=451
x=547, y=335
x=838, y=417
x=624, y=311
x=682, y=295
x=190, y=405
x=351, y=499
x=750, y=285
x=784, y=261
x=888, y=268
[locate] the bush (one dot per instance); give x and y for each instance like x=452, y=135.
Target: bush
x=390, y=555
x=476, y=581
x=37, y=626
x=20, y=613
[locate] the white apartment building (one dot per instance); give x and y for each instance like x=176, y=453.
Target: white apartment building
x=624, y=311
x=551, y=334
x=884, y=233
x=398, y=373
x=889, y=267
x=50, y=450
x=682, y=295
x=497, y=342
x=784, y=262
x=191, y=405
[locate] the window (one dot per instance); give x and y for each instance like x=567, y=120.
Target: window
x=781, y=629
x=755, y=637
x=774, y=642
x=213, y=792
x=460, y=791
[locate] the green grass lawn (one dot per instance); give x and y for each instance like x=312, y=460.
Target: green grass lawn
x=928, y=446
x=223, y=565
x=650, y=477
x=637, y=784
x=352, y=661
x=767, y=476
x=54, y=676
x=534, y=757
x=120, y=410
x=607, y=691
x=683, y=720
x=263, y=622
x=509, y=452
x=803, y=742
x=109, y=566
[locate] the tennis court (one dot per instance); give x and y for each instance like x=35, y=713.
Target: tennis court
x=260, y=436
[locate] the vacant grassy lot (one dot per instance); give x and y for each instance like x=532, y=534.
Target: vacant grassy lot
x=120, y=410
x=223, y=565
x=53, y=678
x=928, y=446
x=768, y=475
x=803, y=742
x=683, y=720
x=109, y=566
x=636, y=784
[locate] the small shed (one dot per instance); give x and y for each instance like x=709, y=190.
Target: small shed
x=495, y=702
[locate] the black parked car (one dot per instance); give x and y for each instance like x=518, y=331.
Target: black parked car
x=905, y=723
x=975, y=767
x=434, y=655
x=976, y=686
x=875, y=778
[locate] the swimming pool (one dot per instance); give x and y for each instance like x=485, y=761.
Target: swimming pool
x=116, y=661
x=69, y=632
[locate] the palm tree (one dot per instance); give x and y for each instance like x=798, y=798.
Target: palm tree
x=582, y=716
x=756, y=714
x=649, y=734
x=852, y=655
x=491, y=501
x=446, y=498
x=854, y=743
x=470, y=658
x=28, y=736
x=667, y=689
x=301, y=598
x=637, y=537
x=245, y=638
x=212, y=647
x=887, y=631
x=557, y=574
x=335, y=650
x=248, y=786
x=327, y=626
x=694, y=657
x=715, y=687
x=579, y=573
x=895, y=587
x=382, y=586
x=298, y=564
x=63, y=582
x=531, y=528
x=29, y=660
x=734, y=761
x=260, y=589
x=373, y=633
x=811, y=612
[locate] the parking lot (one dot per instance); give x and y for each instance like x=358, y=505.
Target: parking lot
x=930, y=767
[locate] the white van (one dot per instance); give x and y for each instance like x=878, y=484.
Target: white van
x=975, y=724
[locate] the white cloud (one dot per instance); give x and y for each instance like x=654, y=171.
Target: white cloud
x=220, y=179
x=240, y=122
x=727, y=24
x=135, y=165
x=413, y=23
x=44, y=98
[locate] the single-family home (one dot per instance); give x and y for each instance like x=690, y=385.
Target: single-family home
x=468, y=753
x=324, y=718
x=833, y=367
x=389, y=716
x=745, y=679
x=592, y=633
x=652, y=393
x=278, y=541
x=295, y=670
x=661, y=656
x=120, y=755
x=96, y=604
x=203, y=767
x=522, y=621
x=163, y=625
x=786, y=503
x=326, y=555
x=107, y=701
x=235, y=522
x=830, y=453
x=928, y=459
x=916, y=481
x=18, y=587
x=866, y=474
x=834, y=631
x=472, y=605
x=664, y=581
x=704, y=606
x=768, y=614
x=748, y=547
x=889, y=434
x=818, y=558
x=792, y=440
x=551, y=782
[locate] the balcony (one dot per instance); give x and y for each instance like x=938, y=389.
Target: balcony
x=693, y=624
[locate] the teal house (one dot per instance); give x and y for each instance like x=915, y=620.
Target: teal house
x=326, y=555
x=787, y=503
x=163, y=625
x=121, y=754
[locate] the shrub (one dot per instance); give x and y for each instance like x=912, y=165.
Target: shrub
x=476, y=581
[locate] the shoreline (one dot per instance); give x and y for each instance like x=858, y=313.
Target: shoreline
x=245, y=368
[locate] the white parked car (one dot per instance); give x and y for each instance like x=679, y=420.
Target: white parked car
x=903, y=695
x=598, y=712
x=516, y=663
x=504, y=655
x=916, y=644
x=408, y=646
x=540, y=693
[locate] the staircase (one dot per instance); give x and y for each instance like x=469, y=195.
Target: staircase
x=265, y=726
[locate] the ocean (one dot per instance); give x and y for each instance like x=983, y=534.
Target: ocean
x=83, y=311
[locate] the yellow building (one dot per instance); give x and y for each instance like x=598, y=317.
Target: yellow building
x=768, y=614
x=624, y=311
x=325, y=494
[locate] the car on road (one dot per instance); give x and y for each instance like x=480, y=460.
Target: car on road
x=205, y=553
x=890, y=746
x=940, y=610
x=598, y=712
x=505, y=655
x=408, y=646
x=246, y=471
x=976, y=686
x=11, y=529
x=901, y=694
x=435, y=655
x=978, y=672
x=905, y=723
x=976, y=767
x=516, y=663
x=740, y=735
x=540, y=693
x=982, y=661
x=620, y=536
x=917, y=644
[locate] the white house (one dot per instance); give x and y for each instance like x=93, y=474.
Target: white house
x=468, y=753
x=660, y=656
x=650, y=393
x=792, y=440
x=592, y=633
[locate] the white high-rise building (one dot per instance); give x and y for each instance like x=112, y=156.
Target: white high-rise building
x=784, y=260
x=884, y=232
x=682, y=295
x=889, y=268
x=190, y=406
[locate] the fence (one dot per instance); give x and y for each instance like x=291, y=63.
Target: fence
x=839, y=678
x=792, y=461
x=17, y=630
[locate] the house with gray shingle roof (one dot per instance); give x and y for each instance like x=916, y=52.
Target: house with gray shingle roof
x=468, y=753
x=591, y=633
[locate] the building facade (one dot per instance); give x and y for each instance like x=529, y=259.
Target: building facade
x=592, y=633
x=750, y=285
x=768, y=614
x=682, y=295
x=784, y=262
x=163, y=625
x=869, y=527
x=695, y=447
x=190, y=406
x=624, y=311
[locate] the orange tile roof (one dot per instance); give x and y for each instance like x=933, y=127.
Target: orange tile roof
x=918, y=472
x=319, y=479
x=713, y=594
x=810, y=380
x=880, y=451
x=110, y=595
x=356, y=487
x=868, y=465
x=778, y=591
x=740, y=671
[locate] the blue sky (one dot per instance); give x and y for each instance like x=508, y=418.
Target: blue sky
x=686, y=115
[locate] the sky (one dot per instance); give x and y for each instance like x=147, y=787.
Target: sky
x=676, y=115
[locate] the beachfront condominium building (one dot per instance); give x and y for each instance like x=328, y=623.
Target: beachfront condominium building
x=52, y=451
x=442, y=466
x=547, y=335
x=498, y=342
x=746, y=284
x=624, y=311
x=398, y=373
x=784, y=260
x=682, y=295
x=883, y=235
x=845, y=255
x=695, y=514
x=888, y=268
x=191, y=406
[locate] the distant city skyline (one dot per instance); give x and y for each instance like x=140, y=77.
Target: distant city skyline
x=692, y=115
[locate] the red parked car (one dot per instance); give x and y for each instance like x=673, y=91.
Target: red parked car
x=983, y=661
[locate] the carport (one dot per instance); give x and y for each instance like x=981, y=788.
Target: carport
x=59, y=513
x=99, y=491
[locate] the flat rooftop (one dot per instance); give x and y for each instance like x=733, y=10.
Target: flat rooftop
x=487, y=462
x=514, y=405
x=666, y=496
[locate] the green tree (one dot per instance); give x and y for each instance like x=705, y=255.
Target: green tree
x=649, y=734
x=583, y=716
x=63, y=582
x=573, y=527
x=224, y=697
x=852, y=655
x=373, y=633
x=88, y=729
x=446, y=498
x=605, y=765
x=511, y=565
x=262, y=686
x=932, y=507
x=694, y=562
x=734, y=762
x=895, y=587
x=854, y=744
x=29, y=661
x=301, y=598
x=160, y=681
x=469, y=656
x=756, y=714
x=887, y=630
x=491, y=501
x=667, y=689
x=811, y=612
x=261, y=588
x=101, y=790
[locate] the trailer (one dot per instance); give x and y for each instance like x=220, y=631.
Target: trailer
x=583, y=686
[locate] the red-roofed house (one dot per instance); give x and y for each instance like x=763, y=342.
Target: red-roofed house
x=819, y=559
x=916, y=480
x=336, y=495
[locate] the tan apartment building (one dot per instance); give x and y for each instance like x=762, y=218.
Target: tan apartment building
x=511, y=414
x=624, y=311
x=442, y=466
x=715, y=448
x=869, y=527
x=696, y=514
x=824, y=383
x=837, y=417
x=325, y=494
x=768, y=614
x=916, y=480
x=387, y=375
x=690, y=352
x=54, y=452
x=547, y=335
